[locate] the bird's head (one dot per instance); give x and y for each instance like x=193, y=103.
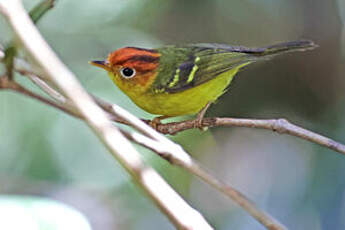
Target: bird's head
x=132, y=69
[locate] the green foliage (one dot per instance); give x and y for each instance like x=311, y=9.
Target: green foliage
x=29, y=212
x=38, y=11
x=10, y=54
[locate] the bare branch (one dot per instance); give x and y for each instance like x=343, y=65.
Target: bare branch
x=278, y=125
x=281, y=126
x=176, y=155
x=5, y=83
x=180, y=214
x=164, y=151
x=187, y=163
x=182, y=159
x=43, y=85
x=172, y=128
x=194, y=168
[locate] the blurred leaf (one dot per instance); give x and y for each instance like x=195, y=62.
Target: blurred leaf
x=10, y=53
x=341, y=8
x=38, y=11
x=34, y=213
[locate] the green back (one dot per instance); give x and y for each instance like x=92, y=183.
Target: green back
x=184, y=67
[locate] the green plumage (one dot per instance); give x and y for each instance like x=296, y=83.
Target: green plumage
x=184, y=67
x=180, y=80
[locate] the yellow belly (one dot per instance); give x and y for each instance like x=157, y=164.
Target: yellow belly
x=190, y=101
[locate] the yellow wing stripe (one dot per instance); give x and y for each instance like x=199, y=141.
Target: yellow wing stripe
x=176, y=78
x=195, y=68
x=192, y=73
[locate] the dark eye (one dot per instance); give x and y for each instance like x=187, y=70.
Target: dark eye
x=127, y=72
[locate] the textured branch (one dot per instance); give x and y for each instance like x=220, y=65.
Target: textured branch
x=171, y=152
x=178, y=159
x=194, y=168
x=6, y=83
x=155, y=187
x=281, y=126
x=174, y=153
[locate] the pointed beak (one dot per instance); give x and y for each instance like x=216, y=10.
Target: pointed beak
x=101, y=64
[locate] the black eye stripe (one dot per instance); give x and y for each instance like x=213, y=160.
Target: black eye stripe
x=141, y=58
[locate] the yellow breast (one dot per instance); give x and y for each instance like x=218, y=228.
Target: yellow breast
x=190, y=101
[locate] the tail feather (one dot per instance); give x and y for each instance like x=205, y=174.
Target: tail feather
x=300, y=45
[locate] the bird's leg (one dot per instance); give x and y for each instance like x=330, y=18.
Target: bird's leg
x=200, y=116
x=157, y=121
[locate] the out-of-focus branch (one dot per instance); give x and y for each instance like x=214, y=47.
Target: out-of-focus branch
x=159, y=145
x=173, y=206
x=281, y=126
x=194, y=168
x=167, y=153
x=162, y=149
x=169, y=150
x=6, y=83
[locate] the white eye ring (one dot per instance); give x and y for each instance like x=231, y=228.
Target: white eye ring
x=127, y=72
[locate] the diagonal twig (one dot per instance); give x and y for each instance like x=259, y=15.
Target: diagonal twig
x=6, y=83
x=171, y=204
x=167, y=153
x=279, y=125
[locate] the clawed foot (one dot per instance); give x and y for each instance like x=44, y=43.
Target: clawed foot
x=157, y=121
x=198, y=123
x=200, y=117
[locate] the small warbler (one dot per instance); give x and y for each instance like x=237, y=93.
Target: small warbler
x=179, y=80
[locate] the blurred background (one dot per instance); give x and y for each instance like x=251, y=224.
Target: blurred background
x=47, y=153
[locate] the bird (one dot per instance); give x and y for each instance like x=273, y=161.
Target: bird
x=176, y=80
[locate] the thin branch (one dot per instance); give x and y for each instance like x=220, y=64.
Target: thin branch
x=166, y=153
x=43, y=85
x=281, y=126
x=5, y=83
x=194, y=168
x=176, y=155
x=185, y=162
x=278, y=125
x=173, y=206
